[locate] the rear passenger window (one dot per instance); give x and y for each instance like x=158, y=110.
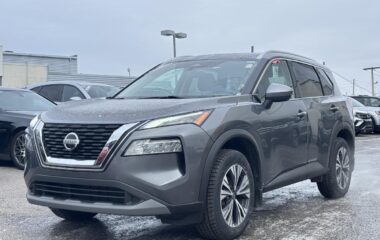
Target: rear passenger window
x=52, y=92
x=277, y=72
x=306, y=80
x=326, y=83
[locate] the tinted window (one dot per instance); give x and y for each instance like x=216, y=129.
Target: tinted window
x=23, y=101
x=306, y=80
x=36, y=89
x=70, y=92
x=196, y=78
x=277, y=72
x=52, y=92
x=326, y=83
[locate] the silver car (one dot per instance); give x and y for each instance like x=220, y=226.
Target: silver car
x=372, y=109
x=63, y=91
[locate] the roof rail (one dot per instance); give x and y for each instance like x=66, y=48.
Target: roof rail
x=288, y=53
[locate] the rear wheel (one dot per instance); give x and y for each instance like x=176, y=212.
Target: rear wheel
x=336, y=182
x=230, y=197
x=74, y=216
x=18, y=150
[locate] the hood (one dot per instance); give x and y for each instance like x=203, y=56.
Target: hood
x=26, y=113
x=123, y=111
x=367, y=109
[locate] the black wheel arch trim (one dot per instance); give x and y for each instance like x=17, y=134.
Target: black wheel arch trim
x=217, y=146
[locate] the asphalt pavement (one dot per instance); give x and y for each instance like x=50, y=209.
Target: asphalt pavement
x=294, y=212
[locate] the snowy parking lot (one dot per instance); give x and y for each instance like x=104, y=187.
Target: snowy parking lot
x=294, y=212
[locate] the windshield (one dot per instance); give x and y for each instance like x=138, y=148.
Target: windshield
x=23, y=101
x=369, y=101
x=356, y=103
x=100, y=91
x=202, y=78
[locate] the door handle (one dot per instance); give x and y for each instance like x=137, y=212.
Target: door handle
x=301, y=114
x=334, y=108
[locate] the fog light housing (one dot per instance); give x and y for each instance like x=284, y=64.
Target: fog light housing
x=153, y=146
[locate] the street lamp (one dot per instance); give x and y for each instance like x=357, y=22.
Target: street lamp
x=174, y=35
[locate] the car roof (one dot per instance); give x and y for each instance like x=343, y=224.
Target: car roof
x=13, y=89
x=75, y=83
x=265, y=55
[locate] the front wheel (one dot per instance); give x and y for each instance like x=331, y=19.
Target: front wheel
x=18, y=150
x=336, y=182
x=73, y=216
x=230, y=197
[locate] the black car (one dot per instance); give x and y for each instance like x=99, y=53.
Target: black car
x=17, y=108
x=196, y=140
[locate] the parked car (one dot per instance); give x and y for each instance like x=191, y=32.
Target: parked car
x=371, y=105
x=17, y=109
x=63, y=91
x=363, y=120
x=196, y=140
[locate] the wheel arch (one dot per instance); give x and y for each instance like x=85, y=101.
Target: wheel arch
x=240, y=140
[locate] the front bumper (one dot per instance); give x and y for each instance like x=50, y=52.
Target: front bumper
x=364, y=126
x=164, y=184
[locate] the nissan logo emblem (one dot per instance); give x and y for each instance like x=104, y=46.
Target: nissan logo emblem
x=71, y=141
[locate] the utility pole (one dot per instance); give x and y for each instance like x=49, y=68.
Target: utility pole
x=372, y=78
x=353, y=87
x=252, y=49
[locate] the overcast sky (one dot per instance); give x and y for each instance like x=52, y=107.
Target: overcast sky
x=110, y=36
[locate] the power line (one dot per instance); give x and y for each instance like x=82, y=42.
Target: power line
x=350, y=81
x=372, y=69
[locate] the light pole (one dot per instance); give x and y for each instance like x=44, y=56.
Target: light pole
x=174, y=35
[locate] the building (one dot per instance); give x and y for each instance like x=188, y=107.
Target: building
x=21, y=69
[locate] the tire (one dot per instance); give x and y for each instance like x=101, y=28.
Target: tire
x=73, y=216
x=214, y=225
x=18, y=150
x=336, y=182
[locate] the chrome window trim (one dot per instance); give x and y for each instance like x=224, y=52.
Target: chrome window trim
x=116, y=139
x=291, y=60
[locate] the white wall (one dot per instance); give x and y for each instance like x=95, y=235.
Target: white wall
x=20, y=75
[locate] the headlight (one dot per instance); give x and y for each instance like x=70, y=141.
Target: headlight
x=34, y=122
x=153, y=146
x=196, y=118
x=377, y=112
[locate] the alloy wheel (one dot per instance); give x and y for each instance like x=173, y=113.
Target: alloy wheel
x=235, y=195
x=342, y=167
x=19, y=150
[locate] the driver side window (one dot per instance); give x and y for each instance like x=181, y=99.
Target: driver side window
x=277, y=72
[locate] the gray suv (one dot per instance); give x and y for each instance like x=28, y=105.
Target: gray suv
x=195, y=140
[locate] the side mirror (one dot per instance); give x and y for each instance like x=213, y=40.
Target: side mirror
x=277, y=93
x=75, y=98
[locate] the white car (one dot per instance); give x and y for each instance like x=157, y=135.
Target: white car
x=63, y=91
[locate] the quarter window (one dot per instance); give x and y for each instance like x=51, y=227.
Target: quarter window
x=306, y=80
x=277, y=72
x=326, y=83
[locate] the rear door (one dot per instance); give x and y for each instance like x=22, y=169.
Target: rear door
x=322, y=111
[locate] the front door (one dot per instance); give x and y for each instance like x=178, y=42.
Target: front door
x=283, y=127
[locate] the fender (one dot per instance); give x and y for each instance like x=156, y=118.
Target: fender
x=339, y=126
x=218, y=144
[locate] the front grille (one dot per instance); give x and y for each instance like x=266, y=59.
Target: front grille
x=363, y=115
x=92, y=139
x=87, y=194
